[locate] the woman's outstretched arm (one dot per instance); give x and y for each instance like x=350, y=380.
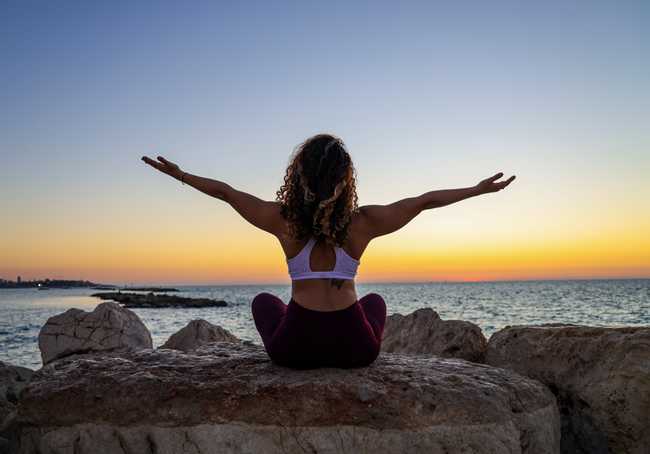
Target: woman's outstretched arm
x=262, y=214
x=377, y=220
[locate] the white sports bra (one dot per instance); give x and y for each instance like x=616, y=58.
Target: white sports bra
x=344, y=268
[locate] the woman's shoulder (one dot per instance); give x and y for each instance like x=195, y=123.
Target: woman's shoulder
x=358, y=226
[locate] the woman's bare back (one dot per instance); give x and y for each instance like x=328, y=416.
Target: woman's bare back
x=325, y=294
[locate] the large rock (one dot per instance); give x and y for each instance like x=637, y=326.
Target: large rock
x=424, y=332
x=12, y=380
x=229, y=398
x=601, y=377
x=108, y=327
x=197, y=333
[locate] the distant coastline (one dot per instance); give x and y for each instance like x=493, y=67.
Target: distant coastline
x=46, y=284
x=49, y=283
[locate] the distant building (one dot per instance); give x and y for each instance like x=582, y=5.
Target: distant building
x=18, y=279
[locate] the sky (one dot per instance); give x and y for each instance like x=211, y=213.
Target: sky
x=426, y=95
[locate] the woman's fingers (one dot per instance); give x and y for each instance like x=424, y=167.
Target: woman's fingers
x=490, y=180
x=503, y=184
x=508, y=181
x=492, y=185
x=495, y=177
x=155, y=164
x=166, y=162
x=151, y=162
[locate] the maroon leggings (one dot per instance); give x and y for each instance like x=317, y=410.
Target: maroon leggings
x=297, y=337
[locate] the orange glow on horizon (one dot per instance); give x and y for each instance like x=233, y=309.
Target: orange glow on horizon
x=250, y=258
x=206, y=243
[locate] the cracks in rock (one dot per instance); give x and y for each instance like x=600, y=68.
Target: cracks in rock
x=121, y=441
x=153, y=448
x=292, y=432
x=524, y=440
x=191, y=442
x=76, y=448
x=89, y=338
x=296, y=436
x=340, y=439
x=281, y=436
x=70, y=353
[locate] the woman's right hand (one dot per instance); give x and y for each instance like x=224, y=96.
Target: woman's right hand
x=164, y=166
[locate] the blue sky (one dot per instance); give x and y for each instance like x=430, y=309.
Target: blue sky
x=425, y=94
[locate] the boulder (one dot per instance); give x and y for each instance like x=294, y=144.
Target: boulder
x=601, y=377
x=12, y=380
x=423, y=332
x=197, y=333
x=230, y=398
x=108, y=327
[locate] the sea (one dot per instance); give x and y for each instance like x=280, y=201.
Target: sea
x=491, y=305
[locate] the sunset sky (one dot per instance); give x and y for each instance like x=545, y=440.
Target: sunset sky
x=426, y=96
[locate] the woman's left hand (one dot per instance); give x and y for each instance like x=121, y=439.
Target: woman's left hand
x=492, y=185
x=164, y=166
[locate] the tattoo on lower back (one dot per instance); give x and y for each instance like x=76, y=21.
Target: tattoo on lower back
x=336, y=282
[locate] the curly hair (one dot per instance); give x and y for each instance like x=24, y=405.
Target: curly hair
x=319, y=194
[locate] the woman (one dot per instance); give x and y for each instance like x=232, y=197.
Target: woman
x=323, y=234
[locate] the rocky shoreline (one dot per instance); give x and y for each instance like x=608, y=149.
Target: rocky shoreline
x=151, y=300
x=438, y=387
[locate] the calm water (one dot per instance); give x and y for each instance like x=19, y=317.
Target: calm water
x=491, y=305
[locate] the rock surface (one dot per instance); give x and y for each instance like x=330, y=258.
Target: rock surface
x=12, y=380
x=601, y=377
x=424, y=332
x=153, y=301
x=229, y=398
x=108, y=327
x=197, y=333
